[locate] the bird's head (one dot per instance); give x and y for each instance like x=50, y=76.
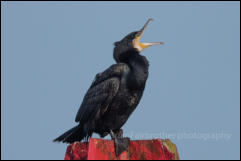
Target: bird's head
x=131, y=43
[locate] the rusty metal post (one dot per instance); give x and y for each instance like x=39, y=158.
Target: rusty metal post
x=99, y=149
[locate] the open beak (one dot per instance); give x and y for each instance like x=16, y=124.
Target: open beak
x=141, y=46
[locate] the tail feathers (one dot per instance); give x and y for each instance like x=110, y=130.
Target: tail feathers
x=72, y=135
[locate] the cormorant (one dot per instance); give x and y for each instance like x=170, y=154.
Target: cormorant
x=114, y=94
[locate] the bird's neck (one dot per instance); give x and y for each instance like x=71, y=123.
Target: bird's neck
x=139, y=71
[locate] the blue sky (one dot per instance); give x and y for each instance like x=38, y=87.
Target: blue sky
x=51, y=52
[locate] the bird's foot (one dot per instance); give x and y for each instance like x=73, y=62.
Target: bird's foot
x=121, y=143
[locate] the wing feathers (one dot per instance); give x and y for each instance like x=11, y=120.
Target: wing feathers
x=97, y=98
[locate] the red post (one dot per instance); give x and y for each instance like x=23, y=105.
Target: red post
x=99, y=149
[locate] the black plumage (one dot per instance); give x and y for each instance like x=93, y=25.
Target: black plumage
x=114, y=94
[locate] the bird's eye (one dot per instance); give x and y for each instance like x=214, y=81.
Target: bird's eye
x=137, y=34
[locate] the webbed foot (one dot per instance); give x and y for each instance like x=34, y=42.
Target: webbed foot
x=121, y=143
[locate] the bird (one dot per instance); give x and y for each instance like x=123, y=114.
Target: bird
x=113, y=94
